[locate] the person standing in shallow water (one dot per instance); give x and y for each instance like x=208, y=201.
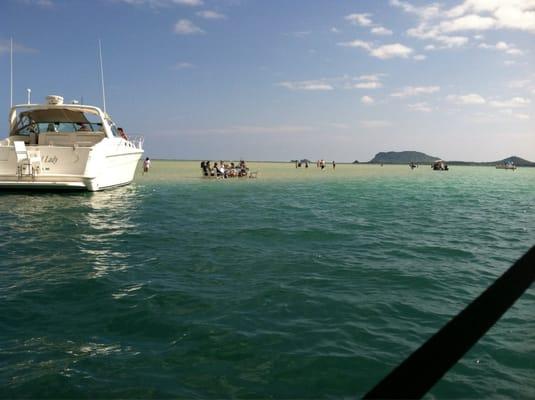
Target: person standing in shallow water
x=334, y=165
x=146, y=165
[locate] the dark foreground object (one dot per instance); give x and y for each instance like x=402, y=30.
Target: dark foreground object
x=423, y=368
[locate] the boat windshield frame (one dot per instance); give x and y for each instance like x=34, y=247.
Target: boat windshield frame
x=98, y=125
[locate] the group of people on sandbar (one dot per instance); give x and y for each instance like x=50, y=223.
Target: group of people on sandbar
x=319, y=164
x=224, y=170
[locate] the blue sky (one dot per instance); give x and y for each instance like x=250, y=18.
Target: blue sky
x=286, y=79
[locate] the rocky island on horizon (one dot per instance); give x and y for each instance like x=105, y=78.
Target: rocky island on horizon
x=405, y=157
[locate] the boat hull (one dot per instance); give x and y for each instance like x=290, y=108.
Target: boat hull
x=106, y=165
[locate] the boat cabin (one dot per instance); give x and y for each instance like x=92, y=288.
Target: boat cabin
x=58, y=124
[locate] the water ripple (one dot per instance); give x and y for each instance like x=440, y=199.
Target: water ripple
x=304, y=287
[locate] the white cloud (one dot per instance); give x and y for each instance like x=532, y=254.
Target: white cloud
x=45, y=3
x=507, y=48
x=467, y=99
x=208, y=14
x=367, y=82
x=371, y=81
x=515, y=52
x=365, y=20
x=481, y=117
x=339, y=125
x=307, y=85
x=40, y=3
x=452, y=41
x=383, y=52
x=516, y=18
x=186, y=27
x=515, y=102
x=367, y=100
x=519, y=84
x=183, y=65
x=411, y=91
x=5, y=47
x=257, y=129
x=503, y=115
x=357, y=43
x=391, y=50
x=375, y=123
x=468, y=22
x=514, y=114
x=510, y=14
x=371, y=77
x=425, y=13
x=163, y=3
x=425, y=31
x=335, y=30
x=300, y=34
x=359, y=19
x=437, y=23
x=379, y=30
x=420, y=57
x=368, y=85
x=422, y=107
x=522, y=116
x=191, y=3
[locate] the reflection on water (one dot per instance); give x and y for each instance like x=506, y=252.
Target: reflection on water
x=57, y=228
x=127, y=291
x=109, y=216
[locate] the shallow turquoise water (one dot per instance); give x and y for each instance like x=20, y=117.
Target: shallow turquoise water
x=299, y=284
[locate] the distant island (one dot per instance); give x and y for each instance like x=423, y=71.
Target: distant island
x=519, y=162
x=402, y=157
x=405, y=157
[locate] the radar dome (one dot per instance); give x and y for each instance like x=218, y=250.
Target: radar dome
x=54, y=100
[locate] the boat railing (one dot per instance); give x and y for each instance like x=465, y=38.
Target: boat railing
x=137, y=141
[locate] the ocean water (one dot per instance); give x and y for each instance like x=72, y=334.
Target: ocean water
x=299, y=284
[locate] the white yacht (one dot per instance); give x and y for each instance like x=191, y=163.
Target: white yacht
x=66, y=146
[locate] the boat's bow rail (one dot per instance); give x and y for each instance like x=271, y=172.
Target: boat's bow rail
x=137, y=141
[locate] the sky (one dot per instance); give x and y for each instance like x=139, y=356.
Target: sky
x=287, y=79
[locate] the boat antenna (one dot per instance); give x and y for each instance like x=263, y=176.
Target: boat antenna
x=29, y=95
x=11, y=73
x=102, y=75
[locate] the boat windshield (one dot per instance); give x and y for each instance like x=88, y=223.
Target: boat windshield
x=113, y=127
x=56, y=120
